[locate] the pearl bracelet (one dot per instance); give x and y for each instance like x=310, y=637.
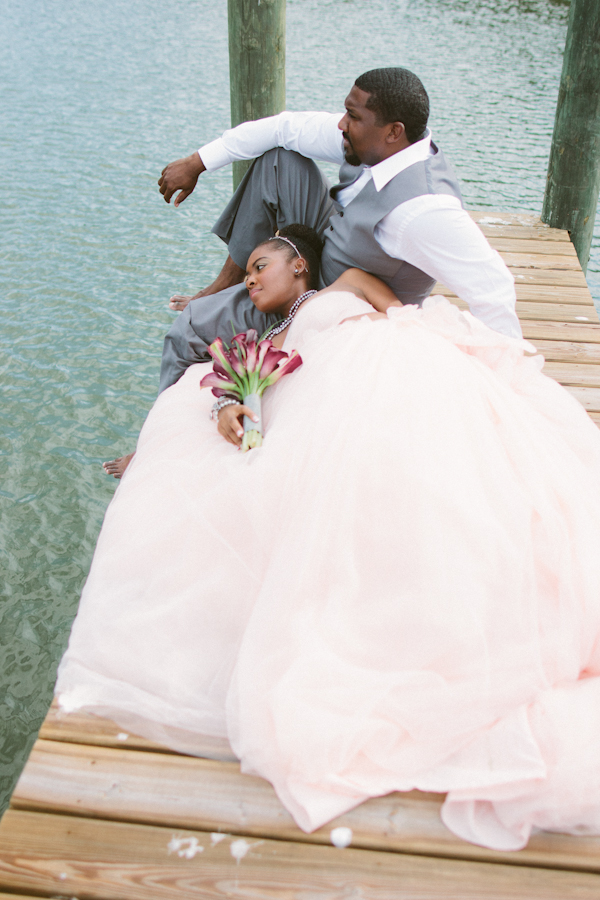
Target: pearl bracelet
x=221, y=403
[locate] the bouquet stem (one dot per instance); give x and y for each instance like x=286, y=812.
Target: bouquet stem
x=253, y=433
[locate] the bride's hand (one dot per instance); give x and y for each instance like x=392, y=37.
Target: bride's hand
x=230, y=424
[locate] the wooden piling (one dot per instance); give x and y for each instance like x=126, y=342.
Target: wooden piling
x=574, y=168
x=256, y=63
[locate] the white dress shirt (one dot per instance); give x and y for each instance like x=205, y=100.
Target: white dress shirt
x=432, y=232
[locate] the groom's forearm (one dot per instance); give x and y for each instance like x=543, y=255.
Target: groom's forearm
x=312, y=134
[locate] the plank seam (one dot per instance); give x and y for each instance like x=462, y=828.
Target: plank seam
x=463, y=856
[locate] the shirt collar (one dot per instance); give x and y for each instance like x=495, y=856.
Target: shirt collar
x=388, y=168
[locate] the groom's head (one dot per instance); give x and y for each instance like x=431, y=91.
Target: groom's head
x=386, y=111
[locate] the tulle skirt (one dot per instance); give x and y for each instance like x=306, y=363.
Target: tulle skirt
x=400, y=589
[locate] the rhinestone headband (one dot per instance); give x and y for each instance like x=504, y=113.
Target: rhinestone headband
x=279, y=237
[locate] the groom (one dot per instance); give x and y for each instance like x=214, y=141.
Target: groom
x=396, y=213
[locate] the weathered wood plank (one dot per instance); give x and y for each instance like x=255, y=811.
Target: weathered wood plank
x=548, y=277
x=589, y=397
x=98, y=860
x=547, y=312
x=573, y=373
x=533, y=260
x=82, y=728
x=545, y=293
x=573, y=277
x=569, y=351
x=557, y=331
x=491, y=218
x=552, y=249
x=521, y=232
x=540, y=293
x=183, y=792
x=556, y=312
x=4, y=896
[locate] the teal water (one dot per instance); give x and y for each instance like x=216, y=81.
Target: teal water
x=96, y=99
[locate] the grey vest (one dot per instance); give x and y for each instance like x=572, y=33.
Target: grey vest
x=349, y=238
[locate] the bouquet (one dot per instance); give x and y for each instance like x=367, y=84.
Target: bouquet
x=244, y=371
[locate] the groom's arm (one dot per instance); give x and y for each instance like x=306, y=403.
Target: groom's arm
x=435, y=234
x=313, y=134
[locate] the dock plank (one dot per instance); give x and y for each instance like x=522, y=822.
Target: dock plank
x=569, y=351
x=563, y=313
x=573, y=374
x=539, y=293
x=59, y=855
x=81, y=728
x=4, y=896
x=521, y=232
x=531, y=260
x=560, y=277
x=494, y=219
x=543, y=310
x=544, y=293
x=588, y=333
x=185, y=792
x=589, y=397
x=552, y=249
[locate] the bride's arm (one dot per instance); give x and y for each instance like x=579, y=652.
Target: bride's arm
x=367, y=287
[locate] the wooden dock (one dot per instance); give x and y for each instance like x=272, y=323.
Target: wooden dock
x=99, y=814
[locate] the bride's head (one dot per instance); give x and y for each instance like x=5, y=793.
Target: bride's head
x=282, y=268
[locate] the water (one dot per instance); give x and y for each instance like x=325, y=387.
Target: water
x=97, y=98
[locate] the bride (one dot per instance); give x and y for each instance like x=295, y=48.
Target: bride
x=400, y=589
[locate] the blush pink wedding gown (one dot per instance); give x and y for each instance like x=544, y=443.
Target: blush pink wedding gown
x=400, y=589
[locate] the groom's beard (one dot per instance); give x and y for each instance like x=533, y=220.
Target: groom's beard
x=349, y=154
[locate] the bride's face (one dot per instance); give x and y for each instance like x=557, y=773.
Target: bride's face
x=273, y=280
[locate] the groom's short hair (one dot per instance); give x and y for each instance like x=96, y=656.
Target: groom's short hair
x=397, y=95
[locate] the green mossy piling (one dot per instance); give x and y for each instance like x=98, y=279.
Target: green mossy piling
x=256, y=63
x=573, y=181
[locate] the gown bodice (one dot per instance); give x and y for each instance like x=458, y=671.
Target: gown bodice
x=325, y=311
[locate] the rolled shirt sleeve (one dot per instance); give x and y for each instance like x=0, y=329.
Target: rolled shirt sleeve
x=312, y=134
x=438, y=236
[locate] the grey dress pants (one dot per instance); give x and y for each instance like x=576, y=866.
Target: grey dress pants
x=279, y=189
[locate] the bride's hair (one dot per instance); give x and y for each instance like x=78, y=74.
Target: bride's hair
x=309, y=246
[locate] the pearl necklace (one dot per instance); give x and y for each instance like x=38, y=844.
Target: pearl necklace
x=281, y=326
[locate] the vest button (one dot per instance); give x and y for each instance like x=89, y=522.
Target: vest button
x=331, y=227
x=341, y=215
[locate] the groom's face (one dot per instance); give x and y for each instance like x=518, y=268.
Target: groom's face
x=364, y=139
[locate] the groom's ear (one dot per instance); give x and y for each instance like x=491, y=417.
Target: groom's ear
x=396, y=133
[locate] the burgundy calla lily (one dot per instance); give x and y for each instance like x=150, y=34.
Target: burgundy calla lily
x=272, y=359
x=218, y=383
x=244, y=371
x=293, y=362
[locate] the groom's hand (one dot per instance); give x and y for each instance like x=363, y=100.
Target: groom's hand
x=181, y=176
